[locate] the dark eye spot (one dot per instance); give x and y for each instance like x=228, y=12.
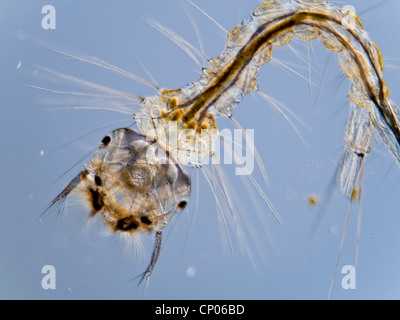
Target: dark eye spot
x=97, y=200
x=97, y=181
x=127, y=224
x=106, y=140
x=145, y=220
x=182, y=205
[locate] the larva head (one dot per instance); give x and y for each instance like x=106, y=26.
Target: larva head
x=131, y=185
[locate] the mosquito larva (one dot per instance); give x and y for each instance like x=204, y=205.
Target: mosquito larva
x=118, y=182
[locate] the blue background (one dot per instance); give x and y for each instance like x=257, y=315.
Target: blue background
x=91, y=266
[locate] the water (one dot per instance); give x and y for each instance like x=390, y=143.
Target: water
x=89, y=266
